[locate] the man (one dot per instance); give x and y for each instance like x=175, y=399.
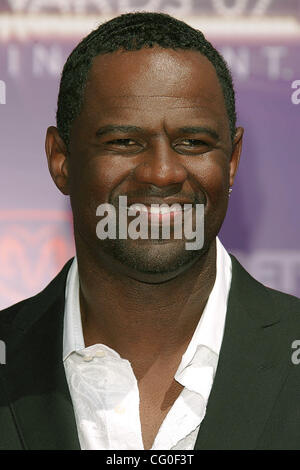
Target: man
x=140, y=343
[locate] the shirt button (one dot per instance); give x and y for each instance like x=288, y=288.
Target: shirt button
x=87, y=358
x=99, y=353
x=119, y=409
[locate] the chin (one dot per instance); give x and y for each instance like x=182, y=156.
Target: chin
x=153, y=258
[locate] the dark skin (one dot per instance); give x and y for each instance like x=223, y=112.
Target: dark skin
x=176, y=148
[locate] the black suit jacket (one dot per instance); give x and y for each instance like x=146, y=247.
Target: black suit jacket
x=255, y=398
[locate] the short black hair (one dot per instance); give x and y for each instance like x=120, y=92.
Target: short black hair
x=132, y=32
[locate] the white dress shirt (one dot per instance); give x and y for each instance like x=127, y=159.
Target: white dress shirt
x=104, y=389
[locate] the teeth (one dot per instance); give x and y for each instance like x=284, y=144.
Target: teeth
x=152, y=209
x=138, y=207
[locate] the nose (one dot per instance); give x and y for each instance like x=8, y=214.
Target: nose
x=161, y=166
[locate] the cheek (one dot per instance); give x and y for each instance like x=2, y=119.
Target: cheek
x=92, y=183
x=216, y=184
x=94, y=180
x=212, y=175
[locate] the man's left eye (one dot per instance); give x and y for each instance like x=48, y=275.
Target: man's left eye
x=192, y=146
x=192, y=142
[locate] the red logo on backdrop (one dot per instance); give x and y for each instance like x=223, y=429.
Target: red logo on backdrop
x=34, y=246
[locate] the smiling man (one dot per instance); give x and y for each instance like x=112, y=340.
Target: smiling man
x=140, y=343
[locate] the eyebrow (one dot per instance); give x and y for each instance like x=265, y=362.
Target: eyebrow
x=199, y=130
x=111, y=128
x=184, y=130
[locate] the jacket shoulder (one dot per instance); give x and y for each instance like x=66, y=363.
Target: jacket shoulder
x=287, y=301
x=13, y=313
x=254, y=293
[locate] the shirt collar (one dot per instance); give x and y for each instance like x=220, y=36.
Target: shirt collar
x=209, y=331
x=72, y=334
x=204, y=347
x=202, y=353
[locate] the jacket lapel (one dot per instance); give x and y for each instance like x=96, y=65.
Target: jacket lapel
x=34, y=373
x=252, y=366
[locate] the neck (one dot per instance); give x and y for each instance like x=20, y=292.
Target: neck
x=138, y=319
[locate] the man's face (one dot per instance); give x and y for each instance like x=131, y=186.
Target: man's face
x=154, y=128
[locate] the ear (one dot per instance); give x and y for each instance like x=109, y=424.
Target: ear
x=236, y=153
x=57, y=156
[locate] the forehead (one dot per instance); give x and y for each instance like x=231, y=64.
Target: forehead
x=153, y=71
x=153, y=80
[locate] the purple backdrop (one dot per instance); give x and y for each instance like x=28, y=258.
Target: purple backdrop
x=262, y=225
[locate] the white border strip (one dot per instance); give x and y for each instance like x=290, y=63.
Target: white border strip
x=20, y=26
